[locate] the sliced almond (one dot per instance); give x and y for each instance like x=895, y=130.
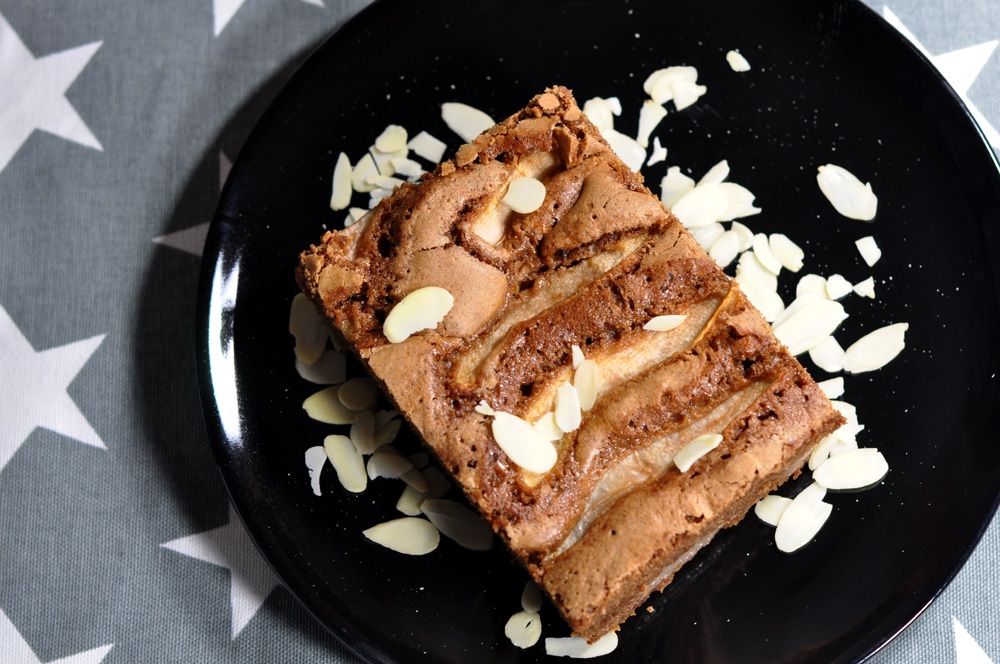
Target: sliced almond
x=876, y=349
x=406, y=167
x=464, y=120
x=869, y=250
x=650, y=115
x=578, y=648
x=762, y=250
x=315, y=460
x=737, y=62
x=686, y=93
x=848, y=195
x=802, y=519
x=522, y=445
x=392, y=139
x=568, y=413
x=523, y=629
x=577, y=355
x=759, y=285
x=531, y=597
x=524, y=195
x=325, y=406
x=343, y=188
x=837, y=286
x=385, y=463
x=787, y=252
x=664, y=323
x=743, y=233
x=359, y=393
x=587, y=383
x=739, y=202
x=810, y=325
x=387, y=433
x=547, y=428
x=657, y=154
x=674, y=186
x=832, y=387
x=308, y=328
x=852, y=470
x=484, y=408
x=660, y=84
x=865, y=288
x=421, y=309
x=812, y=284
x=410, y=535
x=363, y=432
x=364, y=169
x=725, y=248
x=428, y=147
x=770, y=508
x=348, y=463
x=602, y=112
x=459, y=523
x=626, y=147
x=706, y=236
x=695, y=450
x=828, y=355
x=703, y=205
x=329, y=369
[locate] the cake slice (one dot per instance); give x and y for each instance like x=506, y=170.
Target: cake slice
x=682, y=431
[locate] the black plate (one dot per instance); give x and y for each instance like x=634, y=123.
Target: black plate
x=831, y=82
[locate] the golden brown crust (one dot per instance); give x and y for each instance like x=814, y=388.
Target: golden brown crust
x=614, y=518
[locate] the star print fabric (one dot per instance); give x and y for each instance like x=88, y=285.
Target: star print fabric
x=117, y=125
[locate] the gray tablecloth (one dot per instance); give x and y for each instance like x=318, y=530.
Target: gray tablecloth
x=117, y=122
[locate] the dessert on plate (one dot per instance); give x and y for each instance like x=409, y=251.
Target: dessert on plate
x=601, y=391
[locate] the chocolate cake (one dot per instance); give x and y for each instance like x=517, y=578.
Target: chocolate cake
x=614, y=516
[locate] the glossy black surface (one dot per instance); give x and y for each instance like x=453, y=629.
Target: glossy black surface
x=830, y=83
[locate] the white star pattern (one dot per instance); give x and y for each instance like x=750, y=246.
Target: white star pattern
x=960, y=68
x=224, y=10
x=230, y=546
x=192, y=240
x=967, y=651
x=33, y=389
x=17, y=651
x=34, y=93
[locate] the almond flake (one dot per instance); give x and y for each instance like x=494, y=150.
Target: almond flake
x=660, y=84
x=329, y=369
x=384, y=463
x=813, y=284
x=716, y=174
x=578, y=648
x=524, y=195
x=810, y=325
x=703, y=205
x=695, y=450
x=865, y=288
x=325, y=406
x=363, y=170
x=739, y=202
x=315, y=460
x=524, y=628
x=464, y=120
x=674, y=186
x=484, y=408
x=686, y=93
x=577, y=355
x=649, y=116
x=459, y=523
x=737, y=62
x=602, y=112
x=547, y=427
x=869, y=250
x=759, y=285
x=410, y=535
x=428, y=147
x=770, y=508
x=421, y=309
x=347, y=462
x=828, y=355
x=725, y=248
x=531, y=597
x=386, y=433
x=852, y=470
x=358, y=393
x=587, y=383
x=762, y=250
x=664, y=323
x=409, y=501
x=308, y=328
x=657, y=154
x=363, y=432
x=787, y=252
x=876, y=349
x=522, y=445
x=706, y=236
x=833, y=388
x=802, y=519
x=392, y=139
x=743, y=233
x=568, y=414
x=406, y=167
x=414, y=478
x=848, y=195
x=343, y=187
x=837, y=286
x=626, y=147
